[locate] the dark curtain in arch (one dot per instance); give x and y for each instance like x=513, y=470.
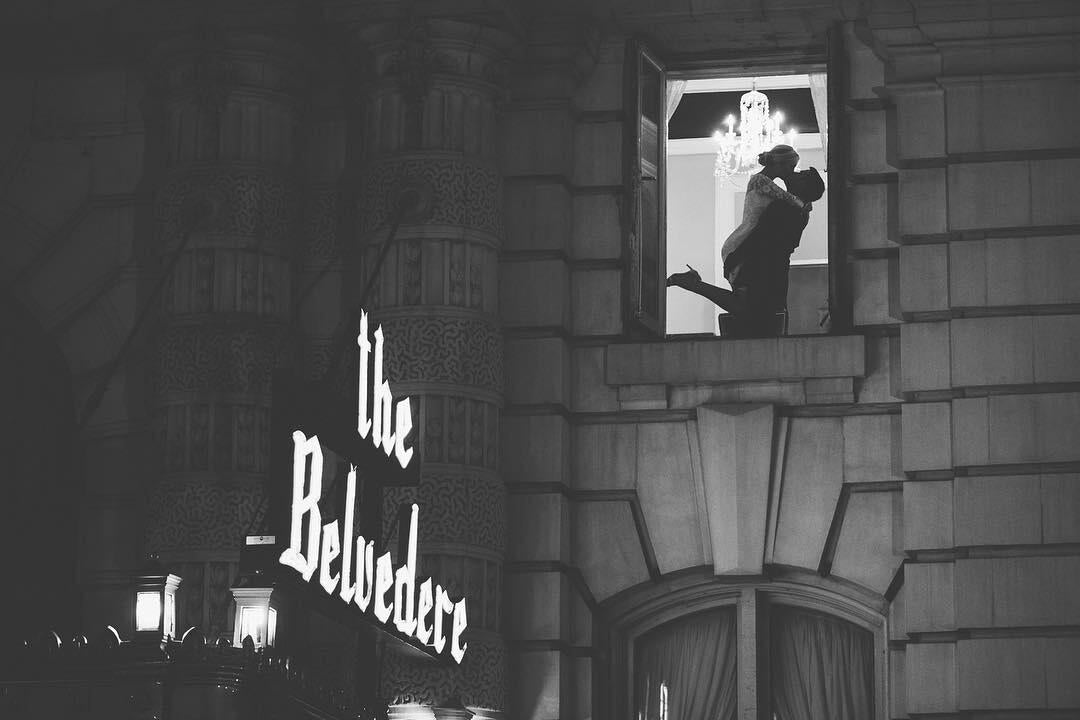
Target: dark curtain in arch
x=822, y=667
x=695, y=659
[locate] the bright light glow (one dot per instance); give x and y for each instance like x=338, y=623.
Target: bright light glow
x=271, y=628
x=663, y=702
x=147, y=611
x=170, y=615
x=253, y=623
x=738, y=149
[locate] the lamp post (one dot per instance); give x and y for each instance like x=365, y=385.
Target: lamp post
x=257, y=612
x=155, y=604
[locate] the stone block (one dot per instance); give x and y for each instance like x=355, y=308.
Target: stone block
x=538, y=215
x=669, y=490
x=1053, y=197
x=931, y=678
x=535, y=605
x=872, y=448
x=992, y=351
x=999, y=510
x=897, y=684
x=537, y=371
x=922, y=202
x=920, y=123
x=597, y=302
x=926, y=436
x=970, y=431
x=812, y=477
x=536, y=141
x=1032, y=271
x=590, y=393
x=928, y=597
x=602, y=88
x=868, y=551
x=881, y=382
x=536, y=684
x=1033, y=428
x=605, y=456
x=989, y=195
x=534, y=448
x=818, y=357
x=868, y=142
x=53, y=182
x=984, y=116
x=924, y=354
x=876, y=295
x=607, y=548
x=1000, y=673
x=967, y=274
x=522, y=286
x=736, y=453
x=598, y=153
x=1061, y=508
x=642, y=397
x=829, y=391
x=924, y=278
x=871, y=206
x=597, y=229
x=1061, y=660
x=1056, y=349
x=928, y=515
x=808, y=298
x=1031, y=591
x=974, y=580
x=538, y=529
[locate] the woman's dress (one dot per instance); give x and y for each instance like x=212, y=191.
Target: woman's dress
x=760, y=191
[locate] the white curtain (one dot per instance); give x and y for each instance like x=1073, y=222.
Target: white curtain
x=819, y=93
x=675, y=90
x=685, y=670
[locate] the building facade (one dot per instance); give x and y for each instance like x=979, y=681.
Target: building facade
x=194, y=197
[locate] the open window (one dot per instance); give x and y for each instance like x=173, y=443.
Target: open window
x=686, y=171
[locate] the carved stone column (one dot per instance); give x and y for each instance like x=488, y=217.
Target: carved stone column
x=222, y=110
x=427, y=121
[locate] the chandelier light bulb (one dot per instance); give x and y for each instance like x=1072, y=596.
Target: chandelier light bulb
x=758, y=131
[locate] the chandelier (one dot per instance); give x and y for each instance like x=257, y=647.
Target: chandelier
x=738, y=149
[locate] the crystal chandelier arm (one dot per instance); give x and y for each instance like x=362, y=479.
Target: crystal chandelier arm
x=763, y=184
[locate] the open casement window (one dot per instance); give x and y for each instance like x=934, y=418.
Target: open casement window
x=650, y=180
x=644, y=224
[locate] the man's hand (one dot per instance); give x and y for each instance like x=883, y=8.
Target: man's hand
x=807, y=207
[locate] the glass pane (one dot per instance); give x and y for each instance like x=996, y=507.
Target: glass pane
x=147, y=611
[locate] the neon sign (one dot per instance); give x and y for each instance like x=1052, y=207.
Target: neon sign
x=372, y=584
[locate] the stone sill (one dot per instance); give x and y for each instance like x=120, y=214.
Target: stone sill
x=642, y=371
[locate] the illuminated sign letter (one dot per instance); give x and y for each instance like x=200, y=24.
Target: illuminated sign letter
x=365, y=568
x=330, y=551
x=442, y=606
x=347, y=586
x=363, y=425
x=302, y=505
x=457, y=649
x=404, y=427
x=405, y=607
x=384, y=583
x=382, y=403
x=423, y=630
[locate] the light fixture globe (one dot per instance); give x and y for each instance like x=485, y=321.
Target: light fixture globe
x=757, y=131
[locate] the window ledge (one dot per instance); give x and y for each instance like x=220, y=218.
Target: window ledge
x=836, y=360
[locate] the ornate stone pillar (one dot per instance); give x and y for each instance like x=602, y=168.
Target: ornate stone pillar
x=222, y=112
x=427, y=120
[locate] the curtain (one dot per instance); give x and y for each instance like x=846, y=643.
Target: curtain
x=675, y=90
x=822, y=667
x=819, y=94
x=694, y=661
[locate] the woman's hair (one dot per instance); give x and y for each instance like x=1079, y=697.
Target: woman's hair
x=778, y=154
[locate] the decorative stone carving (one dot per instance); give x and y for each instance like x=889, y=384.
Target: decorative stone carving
x=233, y=357
x=480, y=681
x=457, y=509
x=467, y=194
x=456, y=351
x=200, y=515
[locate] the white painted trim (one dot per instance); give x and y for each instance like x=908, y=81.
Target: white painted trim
x=746, y=83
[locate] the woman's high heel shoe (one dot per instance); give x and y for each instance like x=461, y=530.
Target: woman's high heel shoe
x=684, y=278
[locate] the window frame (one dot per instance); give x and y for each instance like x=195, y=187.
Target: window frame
x=634, y=613
x=828, y=58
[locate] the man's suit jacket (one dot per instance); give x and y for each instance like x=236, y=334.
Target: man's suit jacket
x=760, y=263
